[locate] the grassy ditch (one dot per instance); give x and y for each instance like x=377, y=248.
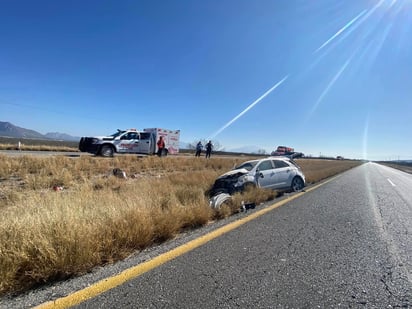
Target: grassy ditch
x=62, y=216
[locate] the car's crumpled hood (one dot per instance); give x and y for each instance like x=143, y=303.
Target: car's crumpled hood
x=234, y=173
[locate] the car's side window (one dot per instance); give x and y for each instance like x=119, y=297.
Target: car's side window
x=280, y=164
x=265, y=165
x=129, y=136
x=144, y=135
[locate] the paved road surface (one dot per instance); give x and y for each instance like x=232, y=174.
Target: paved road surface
x=346, y=244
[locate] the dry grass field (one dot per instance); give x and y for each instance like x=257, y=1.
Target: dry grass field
x=62, y=216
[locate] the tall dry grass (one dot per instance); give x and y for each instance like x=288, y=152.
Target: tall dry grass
x=97, y=218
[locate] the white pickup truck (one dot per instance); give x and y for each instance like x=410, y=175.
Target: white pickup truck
x=131, y=141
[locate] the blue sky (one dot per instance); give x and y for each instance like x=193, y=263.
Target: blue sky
x=90, y=67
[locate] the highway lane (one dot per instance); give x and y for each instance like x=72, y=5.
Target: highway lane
x=346, y=244
x=390, y=195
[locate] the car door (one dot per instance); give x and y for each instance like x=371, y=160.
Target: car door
x=265, y=175
x=127, y=142
x=144, y=143
x=283, y=173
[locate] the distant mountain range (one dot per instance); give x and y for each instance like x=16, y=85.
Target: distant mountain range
x=8, y=129
x=61, y=136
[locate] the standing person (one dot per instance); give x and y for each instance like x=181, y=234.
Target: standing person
x=199, y=147
x=160, y=146
x=209, y=147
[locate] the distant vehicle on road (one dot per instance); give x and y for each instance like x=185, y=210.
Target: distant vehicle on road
x=278, y=173
x=286, y=151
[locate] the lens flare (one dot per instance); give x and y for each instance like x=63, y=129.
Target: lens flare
x=341, y=30
x=249, y=107
x=337, y=37
x=329, y=86
x=360, y=19
x=365, y=139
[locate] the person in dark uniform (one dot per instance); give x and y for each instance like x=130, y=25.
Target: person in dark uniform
x=199, y=147
x=209, y=147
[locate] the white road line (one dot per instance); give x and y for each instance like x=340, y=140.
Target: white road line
x=393, y=185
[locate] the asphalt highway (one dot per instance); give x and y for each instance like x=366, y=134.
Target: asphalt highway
x=346, y=244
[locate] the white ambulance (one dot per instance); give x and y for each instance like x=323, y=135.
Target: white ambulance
x=132, y=141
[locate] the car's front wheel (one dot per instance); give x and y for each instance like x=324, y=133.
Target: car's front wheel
x=106, y=151
x=297, y=184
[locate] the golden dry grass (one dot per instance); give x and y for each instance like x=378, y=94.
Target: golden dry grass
x=97, y=218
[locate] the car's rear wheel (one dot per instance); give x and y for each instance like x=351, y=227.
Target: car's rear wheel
x=297, y=184
x=106, y=151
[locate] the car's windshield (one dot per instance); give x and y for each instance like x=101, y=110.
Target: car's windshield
x=119, y=132
x=247, y=165
x=294, y=163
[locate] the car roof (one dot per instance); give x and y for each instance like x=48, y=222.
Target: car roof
x=269, y=158
x=279, y=157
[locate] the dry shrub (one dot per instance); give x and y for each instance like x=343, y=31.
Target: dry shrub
x=9, y=196
x=6, y=167
x=55, y=236
x=226, y=209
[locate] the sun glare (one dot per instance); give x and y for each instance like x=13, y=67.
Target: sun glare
x=400, y=4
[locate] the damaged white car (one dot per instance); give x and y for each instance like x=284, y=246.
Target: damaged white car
x=277, y=173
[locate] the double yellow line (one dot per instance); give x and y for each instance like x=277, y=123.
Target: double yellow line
x=131, y=273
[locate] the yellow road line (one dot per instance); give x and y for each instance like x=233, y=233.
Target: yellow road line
x=131, y=273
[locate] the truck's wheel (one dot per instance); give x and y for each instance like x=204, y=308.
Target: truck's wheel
x=164, y=153
x=106, y=151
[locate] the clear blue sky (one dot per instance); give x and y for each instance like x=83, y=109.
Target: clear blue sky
x=90, y=67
